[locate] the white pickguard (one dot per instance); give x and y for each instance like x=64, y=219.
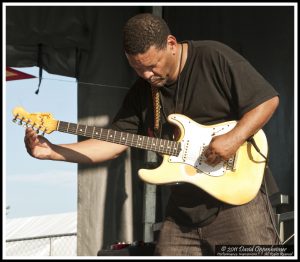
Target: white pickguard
x=196, y=139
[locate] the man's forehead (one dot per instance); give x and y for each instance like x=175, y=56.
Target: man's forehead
x=146, y=59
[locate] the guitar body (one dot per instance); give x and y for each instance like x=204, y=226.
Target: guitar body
x=235, y=182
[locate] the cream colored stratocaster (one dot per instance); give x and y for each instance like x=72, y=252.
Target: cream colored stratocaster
x=235, y=181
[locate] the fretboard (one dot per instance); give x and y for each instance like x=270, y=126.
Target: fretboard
x=163, y=146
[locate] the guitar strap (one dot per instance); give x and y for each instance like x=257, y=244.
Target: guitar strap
x=156, y=107
x=156, y=99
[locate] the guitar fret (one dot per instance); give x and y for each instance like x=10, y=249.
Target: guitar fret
x=93, y=132
x=165, y=146
x=89, y=131
x=120, y=139
x=135, y=140
x=160, y=146
x=111, y=137
x=170, y=146
x=114, y=139
x=173, y=147
x=107, y=135
x=96, y=132
x=59, y=126
x=152, y=143
x=139, y=140
x=101, y=133
x=123, y=140
x=143, y=142
x=71, y=127
x=80, y=130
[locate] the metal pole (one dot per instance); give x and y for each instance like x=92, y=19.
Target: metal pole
x=149, y=203
x=157, y=10
x=50, y=247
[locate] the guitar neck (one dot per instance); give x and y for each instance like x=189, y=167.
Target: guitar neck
x=162, y=146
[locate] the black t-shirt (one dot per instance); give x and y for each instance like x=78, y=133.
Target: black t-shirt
x=216, y=85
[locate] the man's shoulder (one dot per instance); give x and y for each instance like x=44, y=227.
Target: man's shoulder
x=214, y=48
x=209, y=45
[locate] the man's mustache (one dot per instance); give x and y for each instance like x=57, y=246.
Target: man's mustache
x=153, y=79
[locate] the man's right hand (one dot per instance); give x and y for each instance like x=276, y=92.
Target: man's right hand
x=89, y=151
x=37, y=146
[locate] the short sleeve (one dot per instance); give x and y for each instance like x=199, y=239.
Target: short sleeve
x=249, y=88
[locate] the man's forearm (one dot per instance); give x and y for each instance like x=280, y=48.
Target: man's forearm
x=90, y=151
x=255, y=119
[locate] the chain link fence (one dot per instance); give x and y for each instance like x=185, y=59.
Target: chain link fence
x=52, y=245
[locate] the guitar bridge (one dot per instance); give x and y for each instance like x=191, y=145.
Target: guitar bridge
x=231, y=163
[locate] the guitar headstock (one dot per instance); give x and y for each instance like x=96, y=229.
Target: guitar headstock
x=39, y=121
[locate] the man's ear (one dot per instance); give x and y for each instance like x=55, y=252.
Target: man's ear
x=172, y=43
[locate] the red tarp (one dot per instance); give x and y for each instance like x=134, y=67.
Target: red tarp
x=12, y=74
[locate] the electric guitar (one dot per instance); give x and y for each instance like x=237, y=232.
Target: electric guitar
x=235, y=181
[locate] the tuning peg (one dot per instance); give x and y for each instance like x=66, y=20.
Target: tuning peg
x=15, y=119
x=26, y=124
x=21, y=121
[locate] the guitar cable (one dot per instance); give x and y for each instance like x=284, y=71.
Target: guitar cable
x=252, y=141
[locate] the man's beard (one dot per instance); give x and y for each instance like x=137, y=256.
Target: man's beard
x=157, y=81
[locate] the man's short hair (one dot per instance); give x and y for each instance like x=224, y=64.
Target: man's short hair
x=142, y=31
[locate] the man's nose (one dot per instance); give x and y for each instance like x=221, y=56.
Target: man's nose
x=147, y=74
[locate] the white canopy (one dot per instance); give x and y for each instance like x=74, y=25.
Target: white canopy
x=48, y=235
